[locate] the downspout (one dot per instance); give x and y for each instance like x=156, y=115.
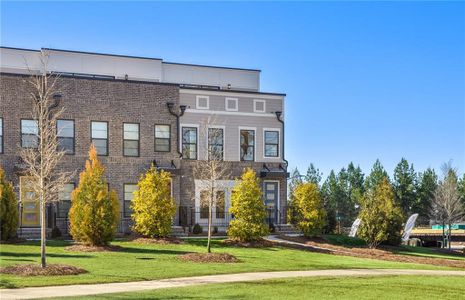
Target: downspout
x=182, y=108
x=278, y=116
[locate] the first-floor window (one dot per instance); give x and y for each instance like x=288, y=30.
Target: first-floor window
x=99, y=134
x=65, y=136
x=64, y=197
x=204, y=199
x=215, y=143
x=131, y=139
x=247, y=145
x=271, y=143
x=189, y=142
x=129, y=190
x=1, y=135
x=29, y=134
x=162, y=138
x=220, y=204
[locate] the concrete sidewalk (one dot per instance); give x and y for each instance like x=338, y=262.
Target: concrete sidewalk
x=105, y=288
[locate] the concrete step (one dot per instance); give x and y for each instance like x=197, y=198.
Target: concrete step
x=178, y=231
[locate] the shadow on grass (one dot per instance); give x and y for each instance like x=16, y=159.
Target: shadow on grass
x=18, y=259
x=219, y=244
x=5, y=284
x=15, y=254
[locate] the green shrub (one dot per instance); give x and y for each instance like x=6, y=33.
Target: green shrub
x=8, y=208
x=197, y=229
x=248, y=209
x=94, y=211
x=309, y=211
x=153, y=206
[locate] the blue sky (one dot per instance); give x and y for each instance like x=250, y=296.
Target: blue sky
x=364, y=80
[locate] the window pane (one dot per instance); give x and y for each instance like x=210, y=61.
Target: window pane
x=101, y=146
x=29, y=141
x=128, y=196
x=99, y=130
x=66, y=144
x=189, y=135
x=64, y=197
x=204, y=195
x=271, y=137
x=271, y=150
x=162, y=145
x=247, y=145
x=162, y=131
x=131, y=131
x=1, y=135
x=131, y=148
x=29, y=127
x=189, y=151
x=220, y=204
x=65, y=128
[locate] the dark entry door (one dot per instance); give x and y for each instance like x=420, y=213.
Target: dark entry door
x=271, y=194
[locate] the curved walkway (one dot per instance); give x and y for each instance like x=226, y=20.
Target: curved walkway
x=106, y=288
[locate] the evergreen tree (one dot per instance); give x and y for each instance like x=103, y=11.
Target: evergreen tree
x=329, y=191
x=94, y=209
x=313, y=175
x=377, y=174
x=8, y=208
x=380, y=215
x=427, y=184
x=293, y=183
x=461, y=187
x=153, y=206
x=310, y=214
x=248, y=209
x=356, y=185
x=404, y=186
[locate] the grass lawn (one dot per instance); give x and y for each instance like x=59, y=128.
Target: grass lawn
x=389, y=287
x=427, y=252
x=143, y=262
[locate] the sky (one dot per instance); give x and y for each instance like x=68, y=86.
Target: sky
x=363, y=80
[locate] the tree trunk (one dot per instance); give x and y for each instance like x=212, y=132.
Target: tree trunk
x=210, y=224
x=443, y=234
x=450, y=235
x=43, y=262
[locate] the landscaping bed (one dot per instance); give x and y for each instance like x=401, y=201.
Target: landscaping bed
x=209, y=257
x=157, y=241
x=88, y=248
x=37, y=270
x=253, y=244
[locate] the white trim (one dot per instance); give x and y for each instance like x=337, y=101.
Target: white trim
x=255, y=101
x=231, y=113
x=230, y=94
x=180, y=137
x=231, y=99
x=254, y=146
x=224, y=139
x=278, y=202
x=279, y=143
x=197, y=102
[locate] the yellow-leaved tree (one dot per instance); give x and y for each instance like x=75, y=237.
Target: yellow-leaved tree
x=248, y=209
x=309, y=212
x=153, y=206
x=8, y=208
x=94, y=211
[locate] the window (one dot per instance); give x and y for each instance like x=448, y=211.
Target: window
x=162, y=138
x=100, y=137
x=64, y=203
x=247, y=145
x=189, y=142
x=202, y=102
x=271, y=143
x=1, y=135
x=204, y=195
x=231, y=104
x=65, y=135
x=130, y=139
x=129, y=190
x=215, y=143
x=29, y=201
x=259, y=106
x=29, y=134
x=220, y=204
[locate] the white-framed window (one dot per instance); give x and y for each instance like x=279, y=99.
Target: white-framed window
x=99, y=136
x=247, y=144
x=259, y=106
x=271, y=142
x=1, y=135
x=65, y=136
x=162, y=138
x=202, y=102
x=231, y=104
x=215, y=143
x=189, y=142
x=131, y=143
x=29, y=134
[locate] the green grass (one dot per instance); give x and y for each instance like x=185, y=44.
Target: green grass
x=344, y=240
x=389, y=287
x=143, y=262
x=427, y=252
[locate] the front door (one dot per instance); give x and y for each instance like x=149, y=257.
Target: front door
x=29, y=202
x=271, y=201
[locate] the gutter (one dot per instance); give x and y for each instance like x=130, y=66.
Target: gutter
x=278, y=116
x=182, y=109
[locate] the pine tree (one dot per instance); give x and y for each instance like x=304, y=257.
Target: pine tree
x=329, y=191
x=377, y=174
x=313, y=175
x=8, y=208
x=404, y=186
x=380, y=215
x=248, y=209
x=426, y=186
x=153, y=206
x=94, y=211
x=293, y=183
x=310, y=213
x=356, y=180
x=461, y=187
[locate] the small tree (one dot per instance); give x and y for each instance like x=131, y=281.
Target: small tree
x=310, y=214
x=8, y=208
x=94, y=211
x=153, y=206
x=381, y=217
x=248, y=209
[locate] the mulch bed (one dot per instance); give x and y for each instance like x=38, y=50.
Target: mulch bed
x=209, y=257
x=13, y=241
x=253, y=244
x=320, y=245
x=158, y=241
x=87, y=248
x=37, y=270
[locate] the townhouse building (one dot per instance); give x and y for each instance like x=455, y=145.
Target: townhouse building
x=139, y=111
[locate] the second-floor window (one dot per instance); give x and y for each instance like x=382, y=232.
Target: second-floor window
x=162, y=138
x=189, y=142
x=247, y=145
x=1, y=135
x=100, y=137
x=271, y=143
x=131, y=139
x=29, y=134
x=65, y=136
x=215, y=143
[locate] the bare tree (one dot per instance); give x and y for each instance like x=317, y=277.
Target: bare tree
x=41, y=154
x=446, y=204
x=212, y=167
